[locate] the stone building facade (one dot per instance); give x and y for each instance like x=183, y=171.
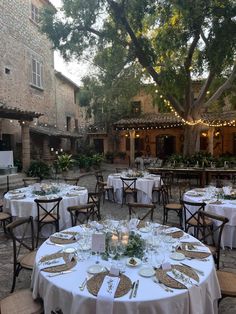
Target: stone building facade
x=28, y=81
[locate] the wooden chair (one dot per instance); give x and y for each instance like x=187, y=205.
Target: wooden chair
x=17, y=230
x=192, y=209
x=48, y=213
x=157, y=190
x=5, y=218
x=227, y=281
x=176, y=207
x=214, y=234
x=72, y=181
x=95, y=199
x=146, y=210
x=81, y=213
x=128, y=188
x=30, y=180
x=21, y=302
x=101, y=186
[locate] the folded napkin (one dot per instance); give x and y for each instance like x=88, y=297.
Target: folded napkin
x=192, y=265
x=64, y=236
x=17, y=196
x=96, y=225
x=106, y=295
x=171, y=230
x=194, y=291
x=52, y=263
x=201, y=249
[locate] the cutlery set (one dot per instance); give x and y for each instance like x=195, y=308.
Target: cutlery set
x=134, y=289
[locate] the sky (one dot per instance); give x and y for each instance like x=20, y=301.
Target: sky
x=73, y=70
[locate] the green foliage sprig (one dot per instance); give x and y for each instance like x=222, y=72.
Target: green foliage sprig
x=135, y=246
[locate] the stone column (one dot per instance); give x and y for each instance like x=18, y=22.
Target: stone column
x=25, y=140
x=46, y=148
x=210, y=140
x=132, y=147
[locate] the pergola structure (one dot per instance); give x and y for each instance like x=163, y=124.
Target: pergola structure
x=152, y=121
x=24, y=117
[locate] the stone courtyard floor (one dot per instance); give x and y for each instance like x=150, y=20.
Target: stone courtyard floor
x=228, y=256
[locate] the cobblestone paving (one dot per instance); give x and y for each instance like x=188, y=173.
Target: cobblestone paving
x=228, y=262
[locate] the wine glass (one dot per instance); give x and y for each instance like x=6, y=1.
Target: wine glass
x=120, y=249
x=112, y=250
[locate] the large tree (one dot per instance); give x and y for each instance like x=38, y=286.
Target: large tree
x=175, y=41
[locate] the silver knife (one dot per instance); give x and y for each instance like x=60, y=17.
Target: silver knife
x=61, y=273
x=132, y=290
x=136, y=289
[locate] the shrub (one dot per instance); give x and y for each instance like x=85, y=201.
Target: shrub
x=38, y=169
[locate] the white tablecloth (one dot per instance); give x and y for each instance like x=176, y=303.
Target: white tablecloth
x=144, y=186
x=63, y=291
x=227, y=209
x=27, y=207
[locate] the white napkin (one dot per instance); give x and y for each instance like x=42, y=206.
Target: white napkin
x=195, y=298
x=106, y=295
x=201, y=249
x=17, y=196
x=171, y=230
x=96, y=225
x=52, y=263
x=64, y=236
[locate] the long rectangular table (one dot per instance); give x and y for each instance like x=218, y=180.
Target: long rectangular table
x=205, y=174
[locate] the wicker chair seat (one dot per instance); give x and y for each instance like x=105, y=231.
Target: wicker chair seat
x=48, y=218
x=227, y=283
x=4, y=216
x=28, y=260
x=194, y=222
x=173, y=206
x=20, y=302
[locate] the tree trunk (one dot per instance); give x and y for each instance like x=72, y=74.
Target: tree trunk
x=191, y=139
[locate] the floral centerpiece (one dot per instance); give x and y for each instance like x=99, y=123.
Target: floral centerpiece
x=134, y=247
x=135, y=174
x=46, y=189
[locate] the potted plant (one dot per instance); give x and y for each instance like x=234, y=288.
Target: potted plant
x=64, y=162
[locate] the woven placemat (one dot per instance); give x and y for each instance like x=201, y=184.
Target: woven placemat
x=94, y=284
x=176, y=234
x=190, y=254
x=64, y=241
x=60, y=268
x=141, y=224
x=172, y=283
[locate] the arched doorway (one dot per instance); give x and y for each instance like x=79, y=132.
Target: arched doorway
x=165, y=146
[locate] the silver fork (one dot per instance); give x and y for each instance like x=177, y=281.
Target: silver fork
x=167, y=289
x=83, y=284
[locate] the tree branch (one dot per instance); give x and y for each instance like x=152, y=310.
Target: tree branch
x=119, y=14
x=226, y=85
x=203, y=37
x=204, y=89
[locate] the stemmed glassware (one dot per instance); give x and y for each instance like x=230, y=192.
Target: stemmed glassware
x=112, y=250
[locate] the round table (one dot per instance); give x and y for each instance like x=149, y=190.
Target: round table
x=144, y=185
x=25, y=206
x=63, y=291
x=223, y=207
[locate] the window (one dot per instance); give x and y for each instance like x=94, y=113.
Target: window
x=68, y=123
x=76, y=125
x=37, y=73
x=136, y=107
x=34, y=13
